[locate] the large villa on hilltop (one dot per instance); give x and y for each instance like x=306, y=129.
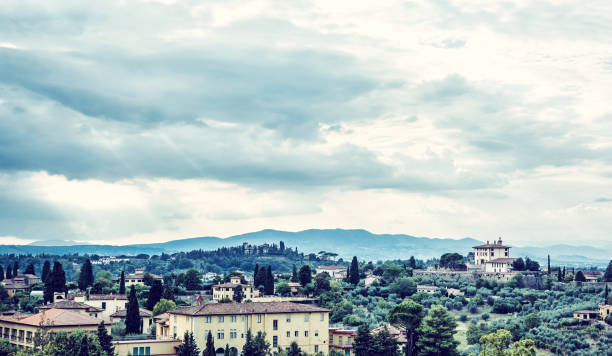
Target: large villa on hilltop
x=493, y=257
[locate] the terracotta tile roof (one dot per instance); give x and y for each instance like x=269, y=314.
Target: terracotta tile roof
x=162, y=318
x=123, y=312
x=502, y=260
x=587, y=311
x=342, y=331
x=397, y=332
x=108, y=297
x=231, y=285
x=70, y=304
x=55, y=317
x=491, y=246
x=247, y=308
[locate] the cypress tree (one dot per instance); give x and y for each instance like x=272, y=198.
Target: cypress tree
x=30, y=269
x=58, y=277
x=132, y=317
x=564, y=272
x=238, y=294
x=1, y=273
x=261, y=277
x=86, y=278
x=269, y=282
x=48, y=290
x=84, y=349
x=105, y=340
x=606, y=294
x=294, y=276
x=294, y=350
x=549, y=265
x=45, y=271
x=248, y=349
x=168, y=293
x=354, y=271
x=362, y=342
x=16, y=269
x=579, y=277
x=384, y=344
x=226, y=352
x=607, y=277
x=255, y=271
x=412, y=262
x=122, y=283
x=305, y=275
x=189, y=346
x=210, y=345
x=9, y=271
x=155, y=294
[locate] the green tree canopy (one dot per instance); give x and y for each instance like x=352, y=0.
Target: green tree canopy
x=436, y=333
x=408, y=315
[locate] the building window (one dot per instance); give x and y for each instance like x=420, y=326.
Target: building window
x=339, y=340
x=288, y=333
x=274, y=341
x=348, y=340
x=316, y=332
x=233, y=333
x=306, y=317
x=259, y=318
x=331, y=339
x=288, y=318
x=208, y=319
x=220, y=318
x=103, y=305
x=147, y=350
x=274, y=324
x=220, y=334
x=306, y=333
x=322, y=316
x=233, y=318
x=316, y=348
x=135, y=351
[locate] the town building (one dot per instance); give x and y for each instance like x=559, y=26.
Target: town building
x=426, y=289
x=586, y=315
x=20, y=283
x=283, y=323
x=341, y=340
x=109, y=303
x=74, y=306
x=227, y=290
x=146, y=347
x=106, y=260
x=605, y=311
x=335, y=272
x=138, y=277
x=20, y=329
x=370, y=279
x=493, y=257
x=146, y=318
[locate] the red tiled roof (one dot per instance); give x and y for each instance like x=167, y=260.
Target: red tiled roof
x=55, y=317
x=342, y=331
x=247, y=308
x=502, y=260
x=123, y=312
x=70, y=304
x=107, y=297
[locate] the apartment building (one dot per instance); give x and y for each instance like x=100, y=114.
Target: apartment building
x=283, y=323
x=20, y=329
x=335, y=272
x=227, y=290
x=109, y=303
x=341, y=340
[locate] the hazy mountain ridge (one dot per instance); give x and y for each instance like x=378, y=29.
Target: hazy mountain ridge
x=346, y=243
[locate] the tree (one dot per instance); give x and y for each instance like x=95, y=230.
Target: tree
x=86, y=277
x=282, y=246
x=321, y=283
x=532, y=321
x=122, y=283
x=105, y=340
x=531, y=265
x=238, y=294
x=155, y=294
x=209, y=350
x=1, y=273
x=248, y=349
x=132, y=317
x=168, y=292
x=518, y=264
x=451, y=260
x=9, y=271
x=163, y=306
x=15, y=269
x=559, y=275
x=283, y=288
x=305, y=275
x=77, y=343
x=262, y=347
x=193, y=279
x=496, y=343
x=412, y=262
x=29, y=269
x=403, y=287
x=45, y=271
x=269, y=282
x=353, y=276
x=436, y=333
x=607, y=277
x=294, y=276
x=58, y=277
x=362, y=342
x=579, y=277
x=189, y=346
x=548, y=271
x=294, y=350
x=261, y=277
x=408, y=315
x=383, y=344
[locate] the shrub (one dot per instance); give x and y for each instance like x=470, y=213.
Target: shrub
x=485, y=316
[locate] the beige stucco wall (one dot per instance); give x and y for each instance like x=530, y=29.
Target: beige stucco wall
x=22, y=335
x=156, y=347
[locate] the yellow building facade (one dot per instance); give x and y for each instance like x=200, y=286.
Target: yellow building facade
x=283, y=323
x=227, y=290
x=341, y=340
x=145, y=347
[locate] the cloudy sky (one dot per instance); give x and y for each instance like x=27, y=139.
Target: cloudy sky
x=140, y=121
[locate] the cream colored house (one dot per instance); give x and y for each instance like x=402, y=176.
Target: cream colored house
x=226, y=290
x=493, y=257
x=335, y=272
x=19, y=330
x=137, y=278
x=146, y=347
x=146, y=318
x=109, y=303
x=605, y=311
x=283, y=323
x=426, y=289
x=341, y=340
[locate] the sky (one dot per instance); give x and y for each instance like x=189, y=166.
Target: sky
x=145, y=121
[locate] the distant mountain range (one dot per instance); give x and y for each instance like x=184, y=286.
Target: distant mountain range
x=345, y=243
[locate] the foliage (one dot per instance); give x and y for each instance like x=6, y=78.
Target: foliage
x=86, y=278
x=321, y=283
x=305, y=275
x=132, y=317
x=403, y=287
x=607, y=277
x=294, y=350
x=155, y=294
x=193, y=279
x=383, y=344
x=353, y=272
x=189, y=346
x=451, y=260
x=209, y=350
x=105, y=340
x=77, y=343
x=436, y=334
x=408, y=315
x=362, y=342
